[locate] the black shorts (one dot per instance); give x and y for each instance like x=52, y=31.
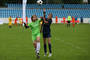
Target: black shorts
x=46, y=35
x=68, y=22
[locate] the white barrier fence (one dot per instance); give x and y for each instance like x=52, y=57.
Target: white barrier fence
x=5, y=20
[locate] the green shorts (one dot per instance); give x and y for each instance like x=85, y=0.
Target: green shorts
x=34, y=36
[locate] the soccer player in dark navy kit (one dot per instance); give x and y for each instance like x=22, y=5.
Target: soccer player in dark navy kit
x=47, y=33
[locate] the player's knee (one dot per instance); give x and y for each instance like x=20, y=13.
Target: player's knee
x=44, y=40
x=38, y=39
x=49, y=41
x=34, y=42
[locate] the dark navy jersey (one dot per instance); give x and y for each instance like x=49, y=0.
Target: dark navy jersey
x=46, y=26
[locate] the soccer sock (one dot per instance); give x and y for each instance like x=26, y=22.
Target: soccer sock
x=45, y=48
x=38, y=47
x=50, y=51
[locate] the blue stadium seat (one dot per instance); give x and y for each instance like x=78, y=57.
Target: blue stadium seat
x=15, y=10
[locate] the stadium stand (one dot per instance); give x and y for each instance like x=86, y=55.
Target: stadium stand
x=35, y=6
x=15, y=10
x=50, y=6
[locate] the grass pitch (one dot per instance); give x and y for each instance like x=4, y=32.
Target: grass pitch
x=16, y=43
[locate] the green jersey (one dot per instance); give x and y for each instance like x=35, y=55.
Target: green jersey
x=69, y=18
x=35, y=27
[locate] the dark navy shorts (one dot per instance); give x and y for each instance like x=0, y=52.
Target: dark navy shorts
x=68, y=22
x=46, y=35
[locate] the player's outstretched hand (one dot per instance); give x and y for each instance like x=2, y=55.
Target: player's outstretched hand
x=25, y=25
x=45, y=20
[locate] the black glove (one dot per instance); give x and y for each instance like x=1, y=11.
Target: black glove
x=26, y=25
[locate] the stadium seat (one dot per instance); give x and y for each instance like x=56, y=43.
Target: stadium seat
x=15, y=10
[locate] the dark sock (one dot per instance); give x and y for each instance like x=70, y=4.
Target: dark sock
x=50, y=51
x=45, y=48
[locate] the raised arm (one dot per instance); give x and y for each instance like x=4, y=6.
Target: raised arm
x=44, y=13
x=26, y=25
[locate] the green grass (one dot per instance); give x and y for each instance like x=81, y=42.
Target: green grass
x=16, y=43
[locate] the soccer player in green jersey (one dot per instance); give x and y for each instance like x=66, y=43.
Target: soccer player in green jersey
x=68, y=21
x=35, y=27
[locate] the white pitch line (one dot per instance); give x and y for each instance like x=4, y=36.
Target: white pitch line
x=68, y=43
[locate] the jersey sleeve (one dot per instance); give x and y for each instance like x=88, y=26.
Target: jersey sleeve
x=39, y=20
x=49, y=22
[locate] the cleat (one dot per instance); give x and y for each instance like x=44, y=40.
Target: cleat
x=50, y=55
x=45, y=54
x=37, y=55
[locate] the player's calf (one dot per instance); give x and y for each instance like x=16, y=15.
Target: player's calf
x=50, y=50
